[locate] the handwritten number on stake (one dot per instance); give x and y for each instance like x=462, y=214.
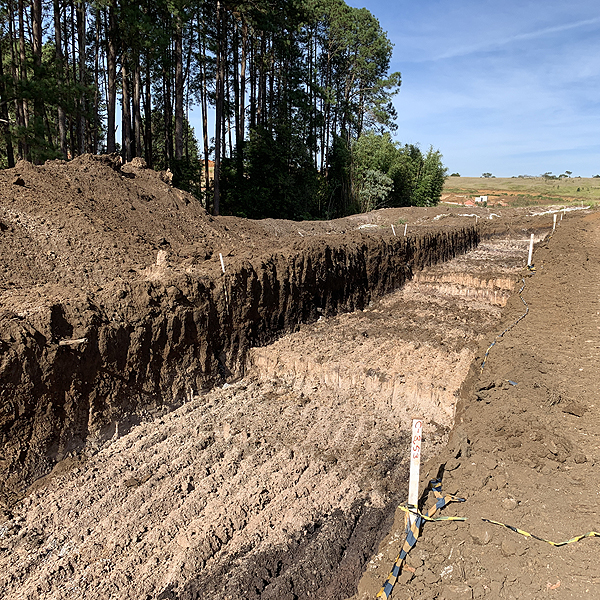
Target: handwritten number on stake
x=416, y=446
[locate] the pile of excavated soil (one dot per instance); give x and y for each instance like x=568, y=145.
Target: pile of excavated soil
x=73, y=228
x=282, y=482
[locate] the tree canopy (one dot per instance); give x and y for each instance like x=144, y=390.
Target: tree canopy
x=293, y=96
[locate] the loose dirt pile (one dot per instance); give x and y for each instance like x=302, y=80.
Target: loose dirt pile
x=280, y=484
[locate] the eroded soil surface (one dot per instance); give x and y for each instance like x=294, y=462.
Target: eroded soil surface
x=284, y=483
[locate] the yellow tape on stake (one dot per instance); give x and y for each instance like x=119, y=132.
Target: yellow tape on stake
x=413, y=531
x=531, y=535
x=413, y=511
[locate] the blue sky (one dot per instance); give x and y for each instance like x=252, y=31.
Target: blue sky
x=510, y=87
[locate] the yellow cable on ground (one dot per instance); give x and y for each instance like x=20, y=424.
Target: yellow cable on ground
x=412, y=510
x=531, y=535
x=412, y=532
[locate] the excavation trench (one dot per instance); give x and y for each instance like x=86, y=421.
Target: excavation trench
x=408, y=353
x=78, y=371
x=279, y=484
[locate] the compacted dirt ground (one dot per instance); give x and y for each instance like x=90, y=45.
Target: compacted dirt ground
x=284, y=483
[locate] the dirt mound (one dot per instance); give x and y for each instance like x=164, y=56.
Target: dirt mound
x=80, y=225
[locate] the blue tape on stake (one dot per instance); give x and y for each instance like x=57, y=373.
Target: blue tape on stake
x=412, y=532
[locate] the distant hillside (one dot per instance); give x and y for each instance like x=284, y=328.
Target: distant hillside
x=522, y=191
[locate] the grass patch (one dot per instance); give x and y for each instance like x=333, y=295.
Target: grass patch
x=527, y=191
x=523, y=201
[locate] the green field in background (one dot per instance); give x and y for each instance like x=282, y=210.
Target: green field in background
x=528, y=190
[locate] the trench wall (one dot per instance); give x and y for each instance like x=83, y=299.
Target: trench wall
x=182, y=333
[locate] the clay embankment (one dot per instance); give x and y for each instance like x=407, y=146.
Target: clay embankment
x=278, y=486
x=113, y=310
x=409, y=353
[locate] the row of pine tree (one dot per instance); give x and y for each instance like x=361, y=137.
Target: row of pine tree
x=290, y=93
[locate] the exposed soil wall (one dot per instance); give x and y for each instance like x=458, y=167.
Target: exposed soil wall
x=279, y=485
x=86, y=363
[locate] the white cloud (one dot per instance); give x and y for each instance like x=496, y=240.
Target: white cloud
x=498, y=41
x=496, y=85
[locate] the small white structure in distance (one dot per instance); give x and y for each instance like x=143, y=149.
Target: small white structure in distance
x=481, y=199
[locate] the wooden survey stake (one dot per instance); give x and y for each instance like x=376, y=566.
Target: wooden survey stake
x=415, y=464
x=529, y=259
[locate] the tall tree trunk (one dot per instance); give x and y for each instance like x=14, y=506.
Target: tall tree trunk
x=23, y=77
x=81, y=125
x=15, y=74
x=186, y=73
x=242, y=128
x=186, y=137
x=137, y=109
x=253, y=85
x=111, y=67
x=204, y=103
x=219, y=111
x=72, y=71
x=62, y=129
x=312, y=86
x=74, y=121
x=36, y=39
x=168, y=119
x=148, y=116
x=178, y=89
x=240, y=104
x=97, y=50
x=125, y=109
x=226, y=124
x=262, y=83
x=271, y=102
x=327, y=112
x=227, y=116
x=236, y=81
x=4, y=124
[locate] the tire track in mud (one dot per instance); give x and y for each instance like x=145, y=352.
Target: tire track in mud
x=219, y=479
x=278, y=486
